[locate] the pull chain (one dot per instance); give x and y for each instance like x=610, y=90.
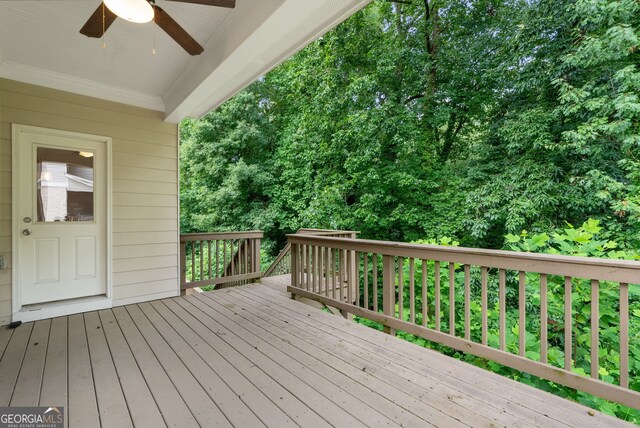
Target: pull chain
x=154, y=29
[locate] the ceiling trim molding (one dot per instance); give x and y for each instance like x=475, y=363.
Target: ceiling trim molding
x=64, y=82
x=291, y=27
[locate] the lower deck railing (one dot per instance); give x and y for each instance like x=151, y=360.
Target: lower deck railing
x=282, y=263
x=537, y=313
x=219, y=259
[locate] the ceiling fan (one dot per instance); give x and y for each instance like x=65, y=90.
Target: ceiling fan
x=144, y=11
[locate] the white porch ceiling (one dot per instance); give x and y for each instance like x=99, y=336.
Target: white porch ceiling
x=40, y=43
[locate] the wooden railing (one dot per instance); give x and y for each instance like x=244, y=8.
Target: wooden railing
x=282, y=263
x=219, y=259
x=479, y=301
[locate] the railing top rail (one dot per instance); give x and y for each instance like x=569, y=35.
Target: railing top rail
x=211, y=236
x=325, y=232
x=627, y=271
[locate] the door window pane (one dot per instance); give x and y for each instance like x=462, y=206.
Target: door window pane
x=64, y=185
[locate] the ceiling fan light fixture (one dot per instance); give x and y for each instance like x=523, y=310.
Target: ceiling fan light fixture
x=139, y=11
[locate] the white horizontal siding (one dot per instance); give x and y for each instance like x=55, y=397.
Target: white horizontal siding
x=144, y=181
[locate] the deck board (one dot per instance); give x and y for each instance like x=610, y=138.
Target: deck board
x=309, y=396
x=417, y=359
x=5, y=336
x=252, y=356
x=142, y=407
x=112, y=406
x=203, y=408
x=317, y=383
x=83, y=405
x=176, y=413
x=27, y=389
x=12, y=361
x=185, y=343
x=250, y=377
x=361, y=399
x=370, y=370
x=423, y=385
x=54, y=379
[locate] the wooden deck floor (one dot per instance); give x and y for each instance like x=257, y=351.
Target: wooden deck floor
x=248, y=357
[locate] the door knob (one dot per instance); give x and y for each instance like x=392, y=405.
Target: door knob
x=26, y=232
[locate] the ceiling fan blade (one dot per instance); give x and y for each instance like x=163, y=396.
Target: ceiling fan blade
x=94, y=25
x=219, y=3
x=177, y=33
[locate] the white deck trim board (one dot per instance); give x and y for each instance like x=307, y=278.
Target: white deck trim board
x=62, y=308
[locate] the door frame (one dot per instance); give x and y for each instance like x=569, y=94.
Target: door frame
x=64, y=307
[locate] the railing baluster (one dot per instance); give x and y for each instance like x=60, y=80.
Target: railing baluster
x=357, y=278
x=193, y=261
x=595, y=327
x=502, y=297
x=327, y=270
x=366, y=280
x=309, y=268
x=294, y=265
x=345, y=271
x=624, y=335
x=543, y=319
x=340, y=274
x=209, y=258
x=467, y=302
x=567, y=323
x=313, y=268
x=374, y=265
x=232, y=257
x=246, y=256
x=452, y=299
x=300, y=265
x=349, y=284
x=437, y=295
x=333, y=272
x=400, y=288
x=224, y=258
x=412, y=291
x=522, y=342
x=485, y=317
x=320, y=268
x=201, y=260
x=425, y=314
x=217, y=273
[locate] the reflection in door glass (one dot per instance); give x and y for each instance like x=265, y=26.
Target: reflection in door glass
x=64, y=185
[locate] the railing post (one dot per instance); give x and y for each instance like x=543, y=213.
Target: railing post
x=388, y=290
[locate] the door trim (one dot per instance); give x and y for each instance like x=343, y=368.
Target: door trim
x=48, y=310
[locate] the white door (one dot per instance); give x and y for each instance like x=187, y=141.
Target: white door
x=61, y=222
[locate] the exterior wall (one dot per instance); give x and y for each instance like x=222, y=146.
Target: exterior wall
x=144, y=183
